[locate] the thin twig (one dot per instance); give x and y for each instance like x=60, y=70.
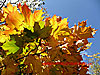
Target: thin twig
x=3, y=4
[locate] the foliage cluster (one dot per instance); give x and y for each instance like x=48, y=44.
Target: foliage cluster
x=31, y=44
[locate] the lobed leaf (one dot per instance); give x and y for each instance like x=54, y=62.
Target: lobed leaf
x=10, y=46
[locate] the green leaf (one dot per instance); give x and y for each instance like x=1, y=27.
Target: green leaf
x=10, y=46
x=41, y=23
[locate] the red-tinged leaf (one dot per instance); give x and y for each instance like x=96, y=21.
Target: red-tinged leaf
x=26, y=11
x=38, y=15
x=47, y=21
x=83, y=23
x=85, y=35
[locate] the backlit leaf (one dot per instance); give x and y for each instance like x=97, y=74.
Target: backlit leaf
x=10, y=46
x=41, y=23
x=4, y=38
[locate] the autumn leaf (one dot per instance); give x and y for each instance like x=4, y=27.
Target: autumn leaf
x=37, y=15
x=57, y=26
x=41, y=33
x=28, y=17
x=10, y=46
x=4, y=38
x=8, y=10
x=41, y=46
x=41, y=23
x=52, y=42
x=11, y=66
x=54, y=71
x=14, y=20
x=36, y=64
x=54, y=23
x=1, y=15
x=83, y=23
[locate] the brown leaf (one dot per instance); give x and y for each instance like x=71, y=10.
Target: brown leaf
x=10, y=66
x=35, y=63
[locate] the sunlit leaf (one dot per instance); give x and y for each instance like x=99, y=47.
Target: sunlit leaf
x=10, y=46
x=41, y=23
x=37, y=15
x=4, y=38
x=32, y=44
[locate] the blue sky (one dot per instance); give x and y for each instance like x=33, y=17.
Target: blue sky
x=79, y=10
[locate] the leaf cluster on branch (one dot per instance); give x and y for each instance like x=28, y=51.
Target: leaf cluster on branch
x=31, y=44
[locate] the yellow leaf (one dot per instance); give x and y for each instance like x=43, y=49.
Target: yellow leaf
x=8, y=10
x=63, y=23
x=37, y=15
x=14, y=19
x=41, y=23
x=89, y=44
x=39, y=50
x=68, y=52
x=4, y=38
x=44, y=54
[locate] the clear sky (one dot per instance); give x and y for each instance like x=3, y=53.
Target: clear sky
x=79, y=10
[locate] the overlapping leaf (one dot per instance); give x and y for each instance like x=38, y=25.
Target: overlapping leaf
x=10, y=46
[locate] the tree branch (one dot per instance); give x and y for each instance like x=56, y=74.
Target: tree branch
x=3, y=4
